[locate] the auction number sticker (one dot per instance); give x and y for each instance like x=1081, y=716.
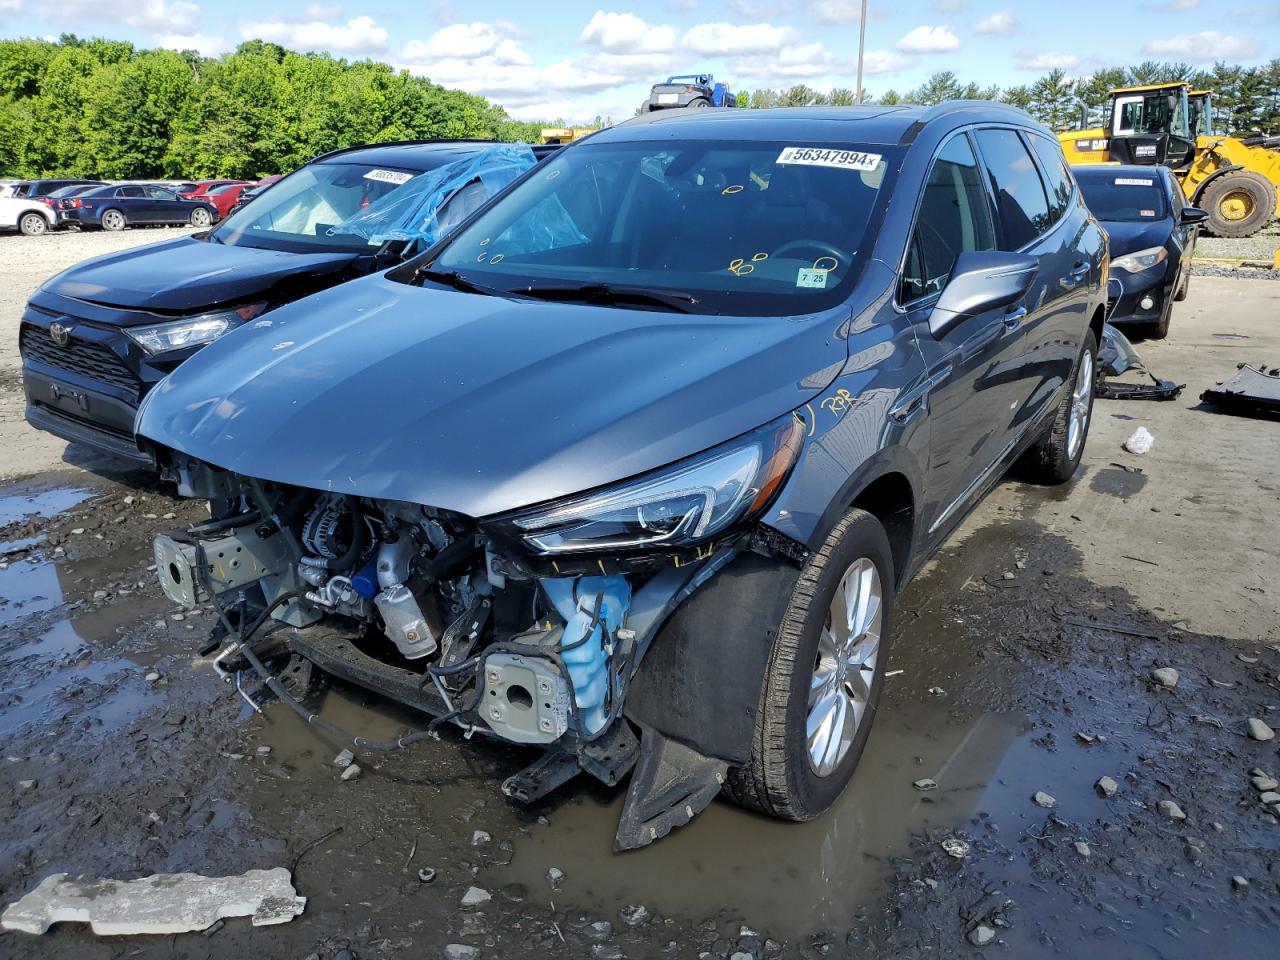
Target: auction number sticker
x=821, y=157
x=811, y=278
x=389, y=176
x=1134, y=182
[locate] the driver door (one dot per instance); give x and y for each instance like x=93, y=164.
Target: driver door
x=967, y=385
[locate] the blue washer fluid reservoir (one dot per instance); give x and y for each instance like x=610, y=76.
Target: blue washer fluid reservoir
x=575, y=600
x=365, y=581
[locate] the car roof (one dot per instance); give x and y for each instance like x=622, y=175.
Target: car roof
x=870, y=123
x=413, y=154
x=1104, y=171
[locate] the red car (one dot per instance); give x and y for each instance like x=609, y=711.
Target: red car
x=224, y=197
x=201, y=188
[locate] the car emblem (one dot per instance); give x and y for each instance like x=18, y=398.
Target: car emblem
x=59, y=333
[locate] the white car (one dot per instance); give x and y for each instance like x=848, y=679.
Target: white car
x=31, y=217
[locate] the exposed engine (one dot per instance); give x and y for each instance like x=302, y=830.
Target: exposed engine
x=415, y=588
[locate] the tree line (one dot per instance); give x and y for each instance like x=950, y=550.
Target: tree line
x=103, y=108
x=1246, y=99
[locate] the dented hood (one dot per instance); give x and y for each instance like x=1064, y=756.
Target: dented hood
x=481, y=404
x=187, y=274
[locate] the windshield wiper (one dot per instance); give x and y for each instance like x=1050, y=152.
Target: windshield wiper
x=452, y=278
x=603, y=293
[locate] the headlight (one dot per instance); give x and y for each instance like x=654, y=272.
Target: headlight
x=1142, y=260
x=192, y=331
x=674, y=507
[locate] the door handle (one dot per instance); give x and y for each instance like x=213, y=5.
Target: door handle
x=1013, y=319
x=1075, y=276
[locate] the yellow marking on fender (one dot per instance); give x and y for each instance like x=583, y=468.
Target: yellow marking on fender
x=813, y=419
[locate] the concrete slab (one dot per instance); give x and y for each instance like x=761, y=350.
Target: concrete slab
x=164, y=903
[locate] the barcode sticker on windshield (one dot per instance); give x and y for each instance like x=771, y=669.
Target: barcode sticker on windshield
x=389, y=176
x=1133, y=182
x=820, y=157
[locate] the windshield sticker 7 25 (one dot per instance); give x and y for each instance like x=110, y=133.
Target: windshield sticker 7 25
x=820, y=157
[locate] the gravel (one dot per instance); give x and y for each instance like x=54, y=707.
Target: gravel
x=1260, y=247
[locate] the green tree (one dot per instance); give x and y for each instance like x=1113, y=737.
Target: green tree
x=1053, y=100
x=939, y=88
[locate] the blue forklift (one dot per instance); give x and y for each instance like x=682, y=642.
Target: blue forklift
x=688, y=90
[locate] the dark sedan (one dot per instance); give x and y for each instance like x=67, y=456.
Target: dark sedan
x=1153, y=234
x=114, y=208
x=97, y=337
x=46, y=188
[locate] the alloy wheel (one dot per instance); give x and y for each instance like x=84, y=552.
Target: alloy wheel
x=200, y=218
x=1081, y=396
x=848, y=649
x=113, y=220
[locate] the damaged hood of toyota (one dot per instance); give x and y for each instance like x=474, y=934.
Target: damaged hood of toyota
x=481, y=404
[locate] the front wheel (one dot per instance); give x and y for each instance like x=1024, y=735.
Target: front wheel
x=200, y=217
x=113, y=220
x=1239, y=203
x=825, y=673
x=33, y=225
x=1054, y=457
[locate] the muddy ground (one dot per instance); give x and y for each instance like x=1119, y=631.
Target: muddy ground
x=1022, y=662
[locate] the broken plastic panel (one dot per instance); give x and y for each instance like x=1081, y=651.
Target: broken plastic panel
x=1116, y=355
x=1251, y=391
x=430, y=205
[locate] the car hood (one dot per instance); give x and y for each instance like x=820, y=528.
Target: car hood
x=481, y=404
x=187, y=274
x=1126, y=236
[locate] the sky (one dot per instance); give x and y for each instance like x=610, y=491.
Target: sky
x=576, y=59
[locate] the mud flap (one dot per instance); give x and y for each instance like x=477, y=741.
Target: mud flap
x=670, y=786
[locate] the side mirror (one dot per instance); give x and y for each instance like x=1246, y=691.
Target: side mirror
x=981, y=281
x=1192, y=215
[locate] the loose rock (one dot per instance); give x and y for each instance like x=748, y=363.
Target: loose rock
x=1165, y=676
x=460, y=951
x=1107, y=787
x=606, y=951
x=1259, y=730
x=344, y=759
x=955, y=847
x=476, y=896
x=633, y=915
x=1263, y=783
x=1240, y=883
x=555, y=877
x=1042, y=799
x=981, y=935
x=479, y=837
x=25, y=785
x=1082, y=848
x=351, y=773
x=1171, y=810
x=599, y=930
x=1269, y=797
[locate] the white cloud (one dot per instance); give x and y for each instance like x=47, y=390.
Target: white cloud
x=927, y=39
x=951, y=6
x=357, y=35
x=1205, y=46
x=9, y=8
x=625, y=33
x=1000, y=23
x=151, y=16
x=1047, y=61
x=487, y=43
x=730, y=39
x=207, y=46
x=837, y=11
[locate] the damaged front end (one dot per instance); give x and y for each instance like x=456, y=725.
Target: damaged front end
x=529, y=627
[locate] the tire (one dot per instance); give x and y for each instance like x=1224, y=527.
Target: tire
x=700, y=102
x=33, y=224
x=1181, y=293
x=200, y=217
x=1053, y=458
x=1160, y=329
x=1239, y=203
x=781, y=779
x=113, y=220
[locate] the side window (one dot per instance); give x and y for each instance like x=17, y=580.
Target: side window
x=134, y=192
x=1057, y=179
x=159, y=193
x=1021, y=204
x=954, y=218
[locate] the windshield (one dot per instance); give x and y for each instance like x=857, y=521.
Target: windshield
x=1125, y=198
x=763, y=229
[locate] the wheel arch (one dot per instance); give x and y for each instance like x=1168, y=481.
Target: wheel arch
x=1216, y=175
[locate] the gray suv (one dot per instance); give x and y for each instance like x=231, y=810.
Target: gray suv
x=632, y=467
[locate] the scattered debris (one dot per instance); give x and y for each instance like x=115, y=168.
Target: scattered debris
x=1259, y=730
x=1140, y=442
x=937, y=692
x=479, y=837
x=1082, y=848
x=1171, y=810
x=163, y=903
x=981, y=935
x=633, y=915
x=555, y=877
x=460, y=951
x=1239, y=883
x=426, y=874
x=1250, y=391
x=925, y=784
x=1107, y=787
x=1165, y=676
x=344, y=759
x=1263, y=782
x=352, y=772
x=955, y=847
x=1042, y=799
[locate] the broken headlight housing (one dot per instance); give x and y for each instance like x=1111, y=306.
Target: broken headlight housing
x=192, y=331
x=1140, y=260
x=679, y=505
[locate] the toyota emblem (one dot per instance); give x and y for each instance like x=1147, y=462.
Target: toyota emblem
x=59, y=333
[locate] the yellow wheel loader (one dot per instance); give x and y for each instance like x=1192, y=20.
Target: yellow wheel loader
x=1234, y=179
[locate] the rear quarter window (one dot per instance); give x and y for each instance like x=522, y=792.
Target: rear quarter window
x=1021, y=204
x=1057, y=180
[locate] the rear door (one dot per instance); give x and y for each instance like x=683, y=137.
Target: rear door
x=964, y=385
x=134, y=203
x=1044, y=331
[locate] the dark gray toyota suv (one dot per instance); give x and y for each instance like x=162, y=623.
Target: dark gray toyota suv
x=631, y=468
